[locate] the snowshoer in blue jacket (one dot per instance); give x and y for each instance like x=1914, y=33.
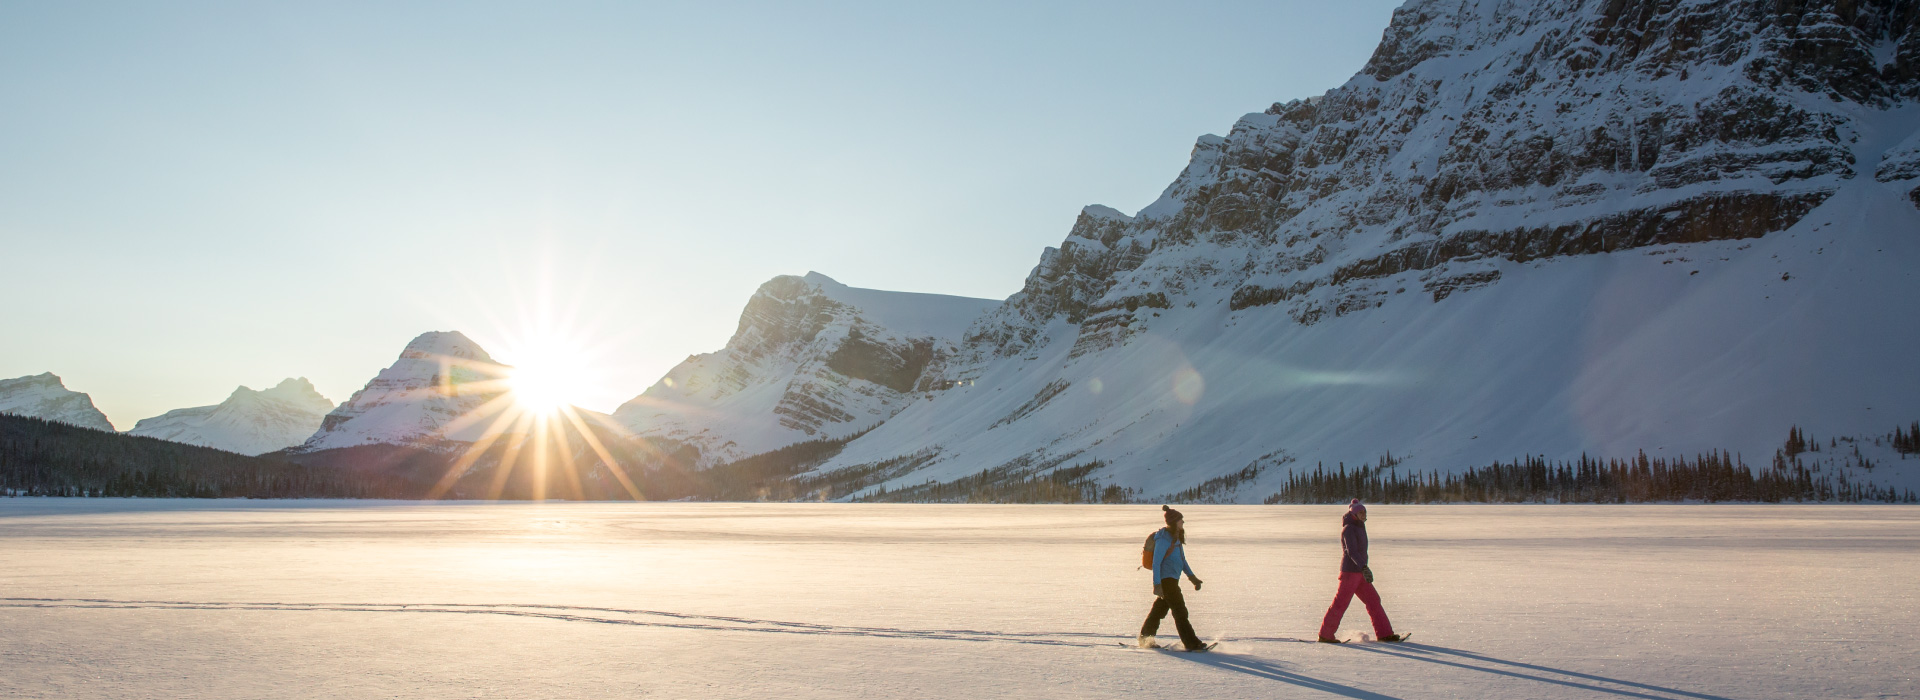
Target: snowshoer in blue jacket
x=1166, y=554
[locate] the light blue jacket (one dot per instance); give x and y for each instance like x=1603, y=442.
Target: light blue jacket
x=1169, y=565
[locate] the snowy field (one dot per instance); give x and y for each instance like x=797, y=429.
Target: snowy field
x=253, y=599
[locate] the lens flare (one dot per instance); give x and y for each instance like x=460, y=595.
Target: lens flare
x=1188, y=385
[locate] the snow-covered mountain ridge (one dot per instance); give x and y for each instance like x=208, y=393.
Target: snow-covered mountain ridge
x=1525, y=227
x=45, y=396
x=1505, y=130
x=812, y=359
x=248, y=422
x=419, y=400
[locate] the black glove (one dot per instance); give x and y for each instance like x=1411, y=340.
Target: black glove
x=1367, y=573
x=1196, y=584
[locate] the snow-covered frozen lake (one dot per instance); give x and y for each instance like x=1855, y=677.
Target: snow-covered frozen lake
x=262, y=599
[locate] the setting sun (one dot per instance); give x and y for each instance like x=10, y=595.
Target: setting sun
x=547, y=377
x=530, y=415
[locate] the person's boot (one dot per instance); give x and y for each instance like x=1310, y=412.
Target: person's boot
x=1330, y=640
x=1146, y=642
x=1394, y=638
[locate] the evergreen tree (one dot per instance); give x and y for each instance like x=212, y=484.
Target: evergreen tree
x=1907, y=441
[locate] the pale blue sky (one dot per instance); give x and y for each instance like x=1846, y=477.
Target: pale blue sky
x=195, y=196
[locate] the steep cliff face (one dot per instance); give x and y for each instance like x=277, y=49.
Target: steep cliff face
x=812, y=359
x=419, y=401
x=249, y=422
x=1513, y=130
x=45, y=396
x=1524, y=226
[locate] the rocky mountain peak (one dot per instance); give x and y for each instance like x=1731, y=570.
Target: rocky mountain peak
x=45, y=396
x=1860, y=51
x=1503, y=129
x=419, y=400
x=445, y=344
x=812, y=359
x=43, y=380
x=297, y=391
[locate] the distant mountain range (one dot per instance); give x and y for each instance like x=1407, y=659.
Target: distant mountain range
x=813, y=361
x=1544, y=229
x=249, y=422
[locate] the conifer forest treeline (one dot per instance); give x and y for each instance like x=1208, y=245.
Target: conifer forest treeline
x=1712, y=477
x=47, y=458
x=1801, y=471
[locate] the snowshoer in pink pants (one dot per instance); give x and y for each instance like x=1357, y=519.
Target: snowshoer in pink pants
x=1356, y=579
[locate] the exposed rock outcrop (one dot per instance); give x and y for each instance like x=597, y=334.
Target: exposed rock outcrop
x=812, y=359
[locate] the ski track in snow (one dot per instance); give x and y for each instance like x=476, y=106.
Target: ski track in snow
x=1220, y=657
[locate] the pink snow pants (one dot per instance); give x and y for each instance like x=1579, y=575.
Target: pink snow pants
x=1352, y=584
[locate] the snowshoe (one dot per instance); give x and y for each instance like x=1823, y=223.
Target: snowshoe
x=1396, y=638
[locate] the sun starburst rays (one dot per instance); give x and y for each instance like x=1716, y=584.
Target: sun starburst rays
x=522, y=430
x=520, y=426
x=600, y=450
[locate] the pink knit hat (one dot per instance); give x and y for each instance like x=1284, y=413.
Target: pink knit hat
x=1356, y=507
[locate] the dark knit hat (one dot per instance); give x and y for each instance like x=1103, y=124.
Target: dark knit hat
x=1171, y=515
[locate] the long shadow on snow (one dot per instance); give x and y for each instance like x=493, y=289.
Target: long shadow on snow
x=1273, y=672
x=570, y=613
x=1409, y=651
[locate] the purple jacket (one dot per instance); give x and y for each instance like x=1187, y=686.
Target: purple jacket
x=1353, y=544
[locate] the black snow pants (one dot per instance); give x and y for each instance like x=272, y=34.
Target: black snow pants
x=1170, y=600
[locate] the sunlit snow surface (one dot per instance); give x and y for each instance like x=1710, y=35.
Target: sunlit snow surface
x=256, y=599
